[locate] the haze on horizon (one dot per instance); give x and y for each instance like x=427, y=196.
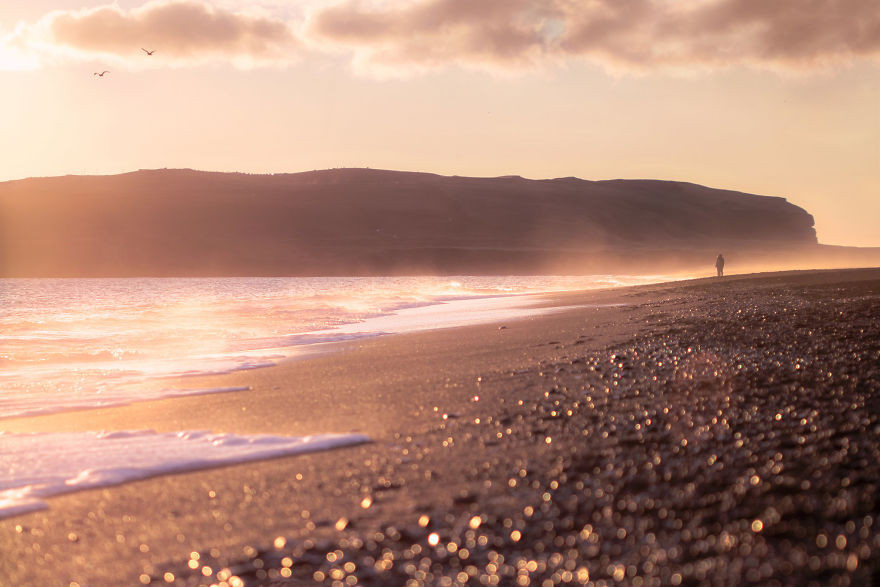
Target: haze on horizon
x=778, y=98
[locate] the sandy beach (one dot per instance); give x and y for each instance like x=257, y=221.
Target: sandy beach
x=715, y=431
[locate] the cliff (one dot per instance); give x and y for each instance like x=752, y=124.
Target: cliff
x=361, y=221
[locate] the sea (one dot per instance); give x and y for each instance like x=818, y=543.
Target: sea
x=79, y=344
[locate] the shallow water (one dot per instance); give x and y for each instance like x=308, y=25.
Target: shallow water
x=82, y=343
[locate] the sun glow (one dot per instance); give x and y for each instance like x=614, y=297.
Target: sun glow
x=15, y=59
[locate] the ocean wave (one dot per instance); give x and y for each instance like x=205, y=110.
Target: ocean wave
x=77, y=461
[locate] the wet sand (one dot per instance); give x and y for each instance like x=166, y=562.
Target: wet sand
x=712, y=431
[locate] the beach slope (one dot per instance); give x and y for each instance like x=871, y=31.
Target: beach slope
x=717, y=430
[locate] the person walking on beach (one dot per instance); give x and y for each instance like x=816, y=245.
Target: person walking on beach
x=719, y=265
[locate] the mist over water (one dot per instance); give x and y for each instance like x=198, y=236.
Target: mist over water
x=78, y=343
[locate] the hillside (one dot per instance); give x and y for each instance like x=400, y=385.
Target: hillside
x=361, y=221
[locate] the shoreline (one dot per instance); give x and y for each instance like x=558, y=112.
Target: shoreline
x=324, y=357
x=458, y=472
x=217, y=345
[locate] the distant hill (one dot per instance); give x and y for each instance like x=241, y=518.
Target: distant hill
x=362, y=221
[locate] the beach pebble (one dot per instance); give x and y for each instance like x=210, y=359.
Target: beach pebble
x=735, y=440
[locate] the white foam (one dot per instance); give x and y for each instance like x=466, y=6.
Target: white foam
x=449, y=314
x=37, y=466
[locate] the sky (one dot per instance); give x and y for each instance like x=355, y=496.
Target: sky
x=777, y=98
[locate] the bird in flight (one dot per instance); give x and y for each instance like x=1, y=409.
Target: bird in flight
x=101, y=74
x=148, y=52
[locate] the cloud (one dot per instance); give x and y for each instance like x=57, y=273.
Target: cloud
x=507, y=33
x=402, y=36
x=628, y=34
x=781, y=33
x=183, y=32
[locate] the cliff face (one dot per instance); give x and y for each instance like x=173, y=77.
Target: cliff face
x=359, y=221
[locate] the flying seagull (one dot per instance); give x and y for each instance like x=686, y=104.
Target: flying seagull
x=101, y=74
x=148, y=52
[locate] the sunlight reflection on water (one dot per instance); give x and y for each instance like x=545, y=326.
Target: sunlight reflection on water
x=68, y=343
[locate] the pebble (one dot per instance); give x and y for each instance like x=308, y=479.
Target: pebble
x=734, y=441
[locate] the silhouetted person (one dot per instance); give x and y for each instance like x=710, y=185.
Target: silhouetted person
x=719, y=265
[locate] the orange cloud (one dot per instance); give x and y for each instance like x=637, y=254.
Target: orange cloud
x=400, y=36
x=787, y=33
x=634, y=34
x=438, y=32
x=180, y=30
